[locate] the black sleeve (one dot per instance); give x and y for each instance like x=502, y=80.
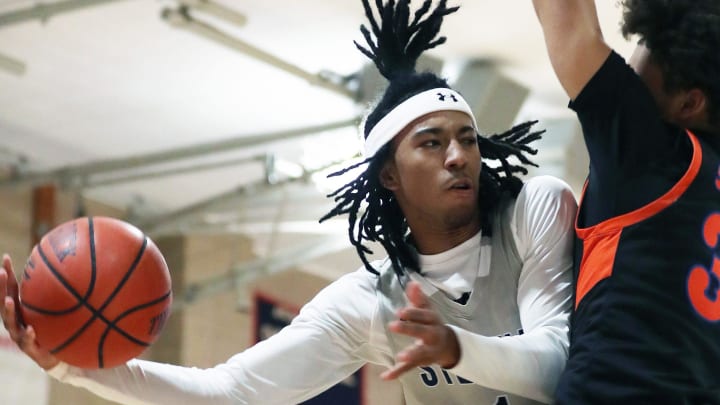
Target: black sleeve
x=628, y=142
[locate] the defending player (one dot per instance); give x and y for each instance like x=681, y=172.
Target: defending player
x=645, y=328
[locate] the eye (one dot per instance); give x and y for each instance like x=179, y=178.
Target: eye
x=469, y=140
x=430, y=143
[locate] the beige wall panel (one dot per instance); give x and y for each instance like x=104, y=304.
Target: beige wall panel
x=213, y=328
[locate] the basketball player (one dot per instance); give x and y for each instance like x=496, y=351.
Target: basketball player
x=476, y=284
x=645, y=327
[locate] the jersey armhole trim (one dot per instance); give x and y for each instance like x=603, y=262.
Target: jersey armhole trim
x=652, y=208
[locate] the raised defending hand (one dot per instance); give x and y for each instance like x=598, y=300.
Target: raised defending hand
x=435, y=342
x=23, y=336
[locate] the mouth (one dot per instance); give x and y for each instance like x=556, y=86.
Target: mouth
x=461, y=185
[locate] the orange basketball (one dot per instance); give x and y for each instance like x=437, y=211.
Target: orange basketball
x=97, y=291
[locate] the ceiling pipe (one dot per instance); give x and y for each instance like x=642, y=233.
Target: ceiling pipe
x=171, y=222
x=45, y=11
x=216, y=10
x=181, y=18
x=164, y=172
x=69, y=175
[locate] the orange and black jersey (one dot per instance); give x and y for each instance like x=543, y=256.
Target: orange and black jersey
x=646, y=326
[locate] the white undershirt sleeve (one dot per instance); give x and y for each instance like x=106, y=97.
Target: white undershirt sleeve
x=324, y=344
x=530, y=364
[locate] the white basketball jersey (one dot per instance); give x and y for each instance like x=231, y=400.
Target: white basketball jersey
x=491, y=310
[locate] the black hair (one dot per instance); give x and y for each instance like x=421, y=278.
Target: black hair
x=373, y=212
x=683, y=37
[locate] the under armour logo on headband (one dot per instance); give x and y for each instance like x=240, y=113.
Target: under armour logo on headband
x=437, y=99
x=442, y=96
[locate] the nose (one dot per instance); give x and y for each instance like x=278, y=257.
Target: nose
x=455, y=156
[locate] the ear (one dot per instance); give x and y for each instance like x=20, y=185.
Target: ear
x=389, y=177
x=693, y=107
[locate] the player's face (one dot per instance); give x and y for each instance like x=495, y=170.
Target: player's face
x=434, y=170
x=652, y=76
x=672, y=105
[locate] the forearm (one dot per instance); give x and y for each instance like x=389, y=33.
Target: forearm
x=140, y=382
x=573, y=39
x=526, y=365
x=276, y=371
x=530, y=364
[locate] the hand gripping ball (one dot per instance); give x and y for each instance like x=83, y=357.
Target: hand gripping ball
x=97, y=291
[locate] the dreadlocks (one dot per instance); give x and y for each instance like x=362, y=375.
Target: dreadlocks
x=399, y=43
x=683, y=37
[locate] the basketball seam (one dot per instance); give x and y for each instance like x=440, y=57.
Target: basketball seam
x=129, y=312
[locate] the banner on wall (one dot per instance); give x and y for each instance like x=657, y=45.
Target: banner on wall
x=271, y=316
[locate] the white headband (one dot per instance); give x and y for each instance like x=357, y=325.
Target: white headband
x=439, y=99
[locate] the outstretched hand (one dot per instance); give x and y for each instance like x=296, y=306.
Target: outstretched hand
x=23, y=336
x=435, y=342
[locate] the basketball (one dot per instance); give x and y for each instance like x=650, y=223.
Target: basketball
x=97, y=291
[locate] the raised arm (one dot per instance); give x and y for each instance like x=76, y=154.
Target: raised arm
x=574, y=41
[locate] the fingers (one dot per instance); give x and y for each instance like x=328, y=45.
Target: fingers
x=416, y=355
x=418, y=319
x=422, y=316
x=28, y=343
x=419, y=309
x=23, y=336
x=424, y=331
x=9, y=296
x=7, y=265
x=419, y=314
x=9, y=318
x=10, y=287
x=396, y=371
x=3, y=283
x=435, y=342
x=415, y=295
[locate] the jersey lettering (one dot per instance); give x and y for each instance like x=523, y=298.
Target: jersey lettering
x=502, y=400
x=703, y=283
x=447, y=376
x=431, y=378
